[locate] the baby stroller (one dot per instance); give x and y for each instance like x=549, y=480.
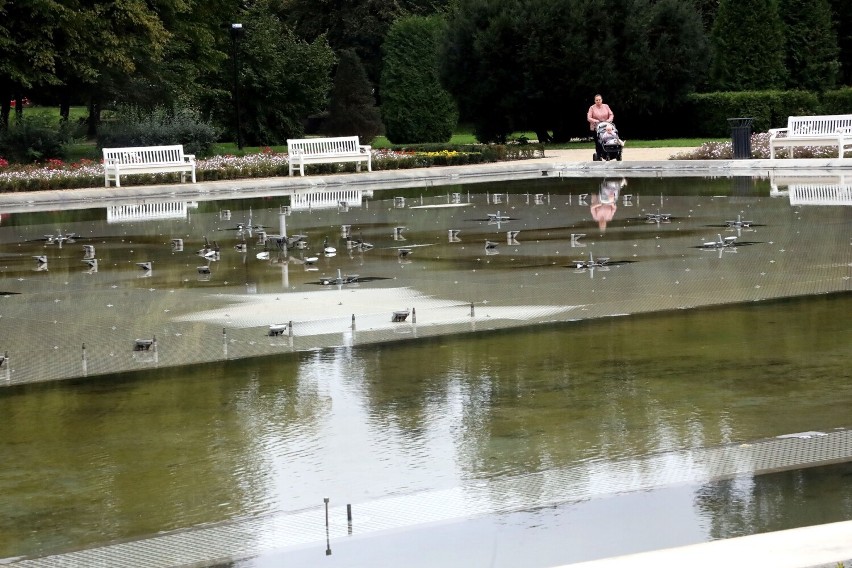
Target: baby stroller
x=607, y=146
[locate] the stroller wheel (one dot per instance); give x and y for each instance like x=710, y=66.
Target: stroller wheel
x=595, y=157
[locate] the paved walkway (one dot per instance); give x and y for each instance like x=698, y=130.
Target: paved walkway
x=569, y=163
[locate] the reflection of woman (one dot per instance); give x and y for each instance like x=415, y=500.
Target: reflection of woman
x=604, y=203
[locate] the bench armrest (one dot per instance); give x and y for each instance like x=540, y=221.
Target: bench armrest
x=189, y=158
x=774, y=132
x=364, y=148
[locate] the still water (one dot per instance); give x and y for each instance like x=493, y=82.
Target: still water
x=110, y=457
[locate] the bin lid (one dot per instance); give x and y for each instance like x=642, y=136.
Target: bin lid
x=740, y=121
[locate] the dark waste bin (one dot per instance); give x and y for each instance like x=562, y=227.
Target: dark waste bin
x=741, y=137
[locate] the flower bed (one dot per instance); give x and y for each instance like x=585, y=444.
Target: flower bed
x=86, y=173
x=759, y=150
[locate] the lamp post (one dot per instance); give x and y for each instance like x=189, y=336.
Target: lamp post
x=236, y=31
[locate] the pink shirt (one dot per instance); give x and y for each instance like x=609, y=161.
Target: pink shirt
x=598, y=113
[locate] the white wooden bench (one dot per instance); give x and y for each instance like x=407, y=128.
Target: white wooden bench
x=328, y=151
x=831, y=130
x=146, y=160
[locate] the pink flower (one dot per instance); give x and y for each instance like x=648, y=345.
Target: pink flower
x=3, y=163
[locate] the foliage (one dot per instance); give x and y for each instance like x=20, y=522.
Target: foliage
x=812, y=48
x=34, y=138
x=708, y=113
x=133, y=126
x=415, y=107
x=748, y=42
x=281, y=79
x=358, y=24
x=842, y=19
x=524, y=65
x=837, y=101
x=353, y=109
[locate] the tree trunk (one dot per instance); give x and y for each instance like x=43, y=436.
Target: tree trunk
x=19, y=107
x=5, y=108
x=64, y=106
x=94, y=119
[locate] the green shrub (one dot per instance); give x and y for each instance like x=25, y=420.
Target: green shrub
x=133, y=126
x=837, y=101
x=35, y=138
x=708, y=113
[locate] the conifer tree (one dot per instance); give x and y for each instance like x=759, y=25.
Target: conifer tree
x=352, y=110
x=415, y=107
x=748, y=42
x=812, y=51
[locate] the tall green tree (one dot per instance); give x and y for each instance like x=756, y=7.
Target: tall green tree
x=842, y=19
x=415, y=107
x=360, y=25
x=748, y=46
x=281, y=79
x=353, y=110
x=27, y=52
x=812, y=50
x=537, y=64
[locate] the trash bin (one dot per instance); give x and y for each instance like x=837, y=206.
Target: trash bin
x=741, y=137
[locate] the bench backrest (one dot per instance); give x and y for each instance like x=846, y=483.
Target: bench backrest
x=327, y=146
x=145, y=155
x=804, y=125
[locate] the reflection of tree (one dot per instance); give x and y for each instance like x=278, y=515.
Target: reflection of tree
x=778, y=501
x=127, y=456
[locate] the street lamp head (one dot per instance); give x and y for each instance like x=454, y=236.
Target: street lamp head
x=236, y=26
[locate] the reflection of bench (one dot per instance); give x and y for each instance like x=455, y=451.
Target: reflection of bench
x=400, y=315
x=146, y=160
x=327, y=151
x=833, y=130
x=812, y=189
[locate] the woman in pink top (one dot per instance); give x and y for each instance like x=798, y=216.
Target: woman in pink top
x=599, y=112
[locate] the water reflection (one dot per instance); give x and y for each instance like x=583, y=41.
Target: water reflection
x=337, y=411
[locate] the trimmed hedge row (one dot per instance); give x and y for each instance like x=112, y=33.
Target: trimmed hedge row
x=707, y=114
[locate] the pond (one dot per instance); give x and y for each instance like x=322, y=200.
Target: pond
x=543, y=339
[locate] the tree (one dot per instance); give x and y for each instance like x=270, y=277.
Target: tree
x=748, y=42
x=281, y=79
x=812, y=49
x=27, y=52
x=537, y=64
x=360, y=25
x=842, y=18
x=415, y=108
x=353, y=109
